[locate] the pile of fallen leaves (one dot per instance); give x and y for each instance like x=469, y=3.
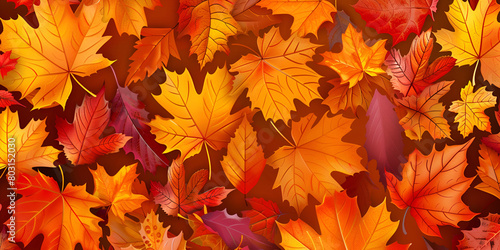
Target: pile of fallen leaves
x=250, y=124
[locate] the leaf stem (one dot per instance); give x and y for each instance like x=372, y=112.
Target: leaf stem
x=474, y=75
x=62, y=176
x=279, y=132
x=403, y=222
x=3, y=172
x=209, y=164
x=247, y=47
x=83, y=87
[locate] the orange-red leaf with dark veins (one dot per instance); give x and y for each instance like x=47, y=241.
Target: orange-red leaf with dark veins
x=6, y=99
x=262, y=217
x=398, y=18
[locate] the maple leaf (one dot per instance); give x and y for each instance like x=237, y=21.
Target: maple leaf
x=397, y=18
x=128, y=116
x=29, y=151
x=470, y=110
x=485, y=236
x=411, y=74
x=63, y=217
x=245, y=160
x=493, y=141
x=153, y=51
x=342, y=227
x=116, y=191
x=432, y=188
x=6, y=63
x=425, y=113
x=199, y=119
x=356, y=59
x=278, y=75
x=307, y=15
x=81, y=139
x=209, y=24
x=6, y=99
x=476, y=36
x=234, y=230
x=251, y=17
x=177, y=198
x=305, y=167
x=129, y=15
x=384, y=141
x=263, y=216
x=52, y=54
x=489, y=171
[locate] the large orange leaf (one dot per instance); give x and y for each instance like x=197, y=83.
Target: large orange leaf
x=52, y=54
x=29, y=151
x=342, y=227
x=476, y=36
x=425, y=113
x=308, y=15
x=305, y=167
x=470, y=109
x=63, y=217
x=411, y=74
x=178, y=198
x=489, y=171
x=116, y=190
x=209, y=24
x=153, y=51
x=199, y=119
x=245, y=160
x=432, y=187
x=81, y=139
x=278, y=75
x=356, y=59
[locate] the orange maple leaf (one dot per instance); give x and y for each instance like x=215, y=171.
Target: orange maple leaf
x=342, y=227
x=63, y=217
x=52, y=54
x=245, y=160
x=305, y=166
x=432, y=187
x=278, y=75
x=81, y=139
x=178, y=198
x=307, y=15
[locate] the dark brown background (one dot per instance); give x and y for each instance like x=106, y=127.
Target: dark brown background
x=120, y=48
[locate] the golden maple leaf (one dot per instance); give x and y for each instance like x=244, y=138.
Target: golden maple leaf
x=116, y=191
x=342, y=227
x=470, y=110
x=489, y=171
x=209, y=24
x=50, y=55
x=307, y=15
x=356, y=59
x=278, y=75
x=476, y=36
x=199, y=119
x=305, y=166
x=425, y=113
x=28, y=141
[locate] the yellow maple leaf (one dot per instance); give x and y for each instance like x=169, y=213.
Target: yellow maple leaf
x=470, y=110
x=116, y=191
x=28, y=141
x=305, y=166
x=476, y=36
x=307, y=15
x=425, y=113
x=199, y=119
x=489, y=171
x=356, y=59
x=342, y=227
x=53, y=53
x=278, y=75
x=209, y=24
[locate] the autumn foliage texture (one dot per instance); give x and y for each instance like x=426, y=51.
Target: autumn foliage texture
x=251, y=124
